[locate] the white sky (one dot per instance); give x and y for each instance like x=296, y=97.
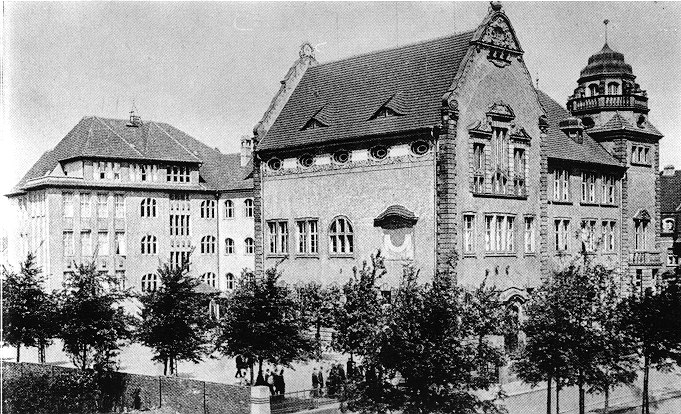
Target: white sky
x=211, y=69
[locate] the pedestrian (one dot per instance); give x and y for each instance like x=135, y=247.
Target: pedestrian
x=239, y=366
x=269, y=378
x=281, y=384
x=320, y=381
x=315, y=382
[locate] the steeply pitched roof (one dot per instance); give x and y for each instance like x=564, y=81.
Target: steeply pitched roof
x=619, y=123
x=560, y=146
x=102, y=138
x=351, y=90
x=670, y=192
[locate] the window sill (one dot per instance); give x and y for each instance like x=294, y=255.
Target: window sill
x=561, y=202
x=341, y=256
x=495, y=195
x=277, y=255
x=470, y=254
x=641, y=164
x=530, y=254
x=306, y=256
x=501, y=254
x=609, y=205
x=589, y=204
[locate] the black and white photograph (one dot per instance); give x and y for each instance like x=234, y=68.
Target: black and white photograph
x=325, y=207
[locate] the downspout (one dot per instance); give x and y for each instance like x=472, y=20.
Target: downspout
x=217, y=232
x=436, y=141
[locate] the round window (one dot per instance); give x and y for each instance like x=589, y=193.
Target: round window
x=379, y=152
x=274, y=164
x=341, y=157
x=420, y=147
x=306, y=160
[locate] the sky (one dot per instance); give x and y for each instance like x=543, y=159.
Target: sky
x=212, y=68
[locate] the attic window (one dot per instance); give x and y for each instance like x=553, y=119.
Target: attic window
x=384, y=112
x=313, y=124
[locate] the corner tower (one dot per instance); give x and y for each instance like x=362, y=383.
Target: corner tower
x=614, y=111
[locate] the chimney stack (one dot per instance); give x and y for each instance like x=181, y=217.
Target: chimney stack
x=668, y=170
x=246, y=149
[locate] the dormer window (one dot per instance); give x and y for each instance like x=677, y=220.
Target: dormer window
x=313, y=124
x=384, y=112
x=613, y=88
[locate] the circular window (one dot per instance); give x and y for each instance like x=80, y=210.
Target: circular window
x=306, y=160
x=274, y=164
x=420, y=147
x=341, y=157
x=588, y=122
x=379, y=152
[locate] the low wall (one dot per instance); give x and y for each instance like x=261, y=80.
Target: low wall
x=123, y=391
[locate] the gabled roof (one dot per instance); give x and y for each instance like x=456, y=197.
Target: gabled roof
x=102, y=138
x=352, y=90
x=670, y=192
x=560, y=146
x=619, y=123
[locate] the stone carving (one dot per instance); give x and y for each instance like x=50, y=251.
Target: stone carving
x=351, y=164
x=306, y=50
x=498, y=34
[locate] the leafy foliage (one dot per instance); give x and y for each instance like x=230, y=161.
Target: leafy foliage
x=262, y=323
x=93, y=322
x=317, y=304
x=174, y=320
x=28, y=310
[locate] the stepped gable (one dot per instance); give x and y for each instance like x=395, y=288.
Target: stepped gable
x=560, y=146
x=411, y=78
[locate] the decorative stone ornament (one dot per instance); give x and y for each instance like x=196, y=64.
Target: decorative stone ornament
x=306, y=50
x=496, y=35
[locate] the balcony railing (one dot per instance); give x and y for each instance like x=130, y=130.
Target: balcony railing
x=645, y=259
x=592, y=103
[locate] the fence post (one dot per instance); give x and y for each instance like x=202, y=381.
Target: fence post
x=205, y=411
x=260, y=400
x=160, y=392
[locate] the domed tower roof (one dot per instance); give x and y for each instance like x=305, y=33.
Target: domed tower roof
x=606, y=62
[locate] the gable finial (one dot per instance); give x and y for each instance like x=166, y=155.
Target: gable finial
x=135, y=119
x=537, y=80
x=605, y=22
x=495, y=5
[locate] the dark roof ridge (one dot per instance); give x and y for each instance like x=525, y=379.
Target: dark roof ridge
x=116, y=134
x=389, y=49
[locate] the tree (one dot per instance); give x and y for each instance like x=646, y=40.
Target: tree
x=262, y=323
x=317, y=304
x=28, y=310
x=359, y=310
x=424, y=353
x=92, y=321
x=174, y=318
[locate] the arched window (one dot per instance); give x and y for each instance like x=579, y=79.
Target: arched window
x=513, y=341
x=148, y=207
x=148, y=244
x=229, y=246
x=208, y=245
x=231, y=281
x=250, y=245
x=249, y=207
x=613, y=88
x=209, y=279
x=208, y=209
x=149, y=282
x=341, y=240
x=229, y=209
x=593, y=90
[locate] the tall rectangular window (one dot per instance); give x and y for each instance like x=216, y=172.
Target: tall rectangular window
x=67, y=204
x=588, y=187
x=69, y=249
x=119, y=206
x=308, y=236
x=469, y=233
x=85, y=243
x=85, y=205
x=608, y=228
x=103, y=243
x=117, y=171
x=121, y=247
x=102, y=205
x=278, y=237
x=478, y=168
x=562, y=230
x=519, y=171
x=640, y=232
x=589, y=234
x=499, y=233
x=561, y=185
x=529, y=235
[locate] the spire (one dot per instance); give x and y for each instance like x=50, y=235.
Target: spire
x=135, y=120
x=605, y=22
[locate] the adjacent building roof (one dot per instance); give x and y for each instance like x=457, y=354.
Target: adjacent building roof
x=619, y=123
x=670, y=192
x=102, y=138
x=348, y=93
x=560, y=146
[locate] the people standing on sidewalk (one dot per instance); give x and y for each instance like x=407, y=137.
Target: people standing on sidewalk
x=320, y=381
x=315, y=382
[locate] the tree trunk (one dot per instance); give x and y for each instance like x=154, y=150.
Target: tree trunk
x=165, y=366
x=548, y=395
x=557, y=395
x=18, y=351
x=645, y=409
x=41, y=353
x=172, y=365
x=580, y=387
x=260, y=380
x=318, y=338
x=251, y=372
x=606, y=406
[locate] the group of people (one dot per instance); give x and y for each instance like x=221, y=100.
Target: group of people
x=335, y=381
x=275, y=381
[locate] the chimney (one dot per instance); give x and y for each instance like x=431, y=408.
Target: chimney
x=668, y=170
x=246, y=149
x=573, y=128
x=135, y=120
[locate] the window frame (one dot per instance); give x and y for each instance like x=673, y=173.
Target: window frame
x=500, y=234
x=148, y=245
x=229, y=246
x=562, y=235
x=207, y=209
x=208, y=244
x=148, y=207
x=347, y=236
x=249, y=248
x=210, y=279
x=229, y=209
x=469, y=239
x=530, y=235
x=249, y=208
x=149, y=283
x=307, y=241
x=277, y=238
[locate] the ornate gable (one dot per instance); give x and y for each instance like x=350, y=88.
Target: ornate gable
x=497, y=35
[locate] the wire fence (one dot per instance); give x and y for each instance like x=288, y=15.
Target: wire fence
x=296, y=401
x=41, y=388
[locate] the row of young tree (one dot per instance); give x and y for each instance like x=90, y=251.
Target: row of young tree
x=429, y=348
